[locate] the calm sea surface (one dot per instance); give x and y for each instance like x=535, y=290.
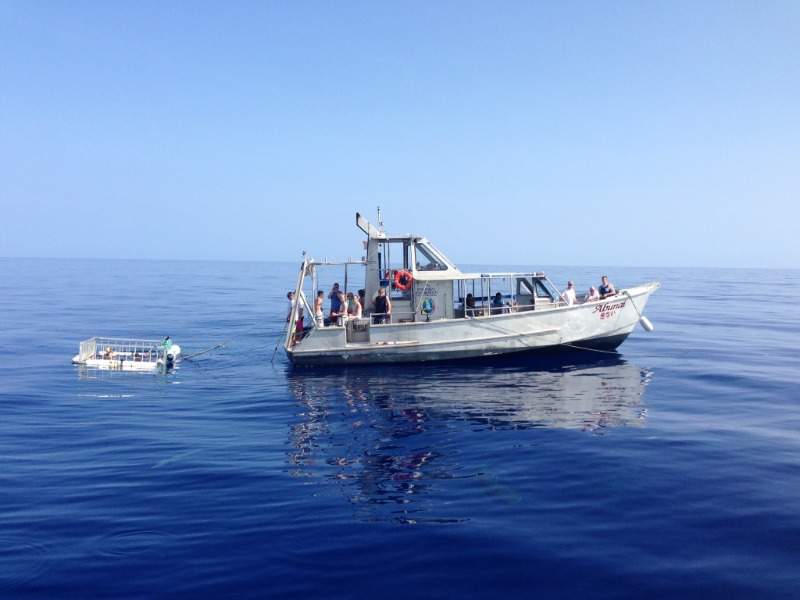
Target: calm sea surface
x=671, y=469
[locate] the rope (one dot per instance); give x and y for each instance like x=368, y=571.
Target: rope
x=589, y=349
x=191, y=356
x=421, y=296
x=274, y=352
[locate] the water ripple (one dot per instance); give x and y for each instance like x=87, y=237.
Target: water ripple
x=23, y=561
x=669, y=470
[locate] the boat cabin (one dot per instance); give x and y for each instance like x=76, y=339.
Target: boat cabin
x=438, y=284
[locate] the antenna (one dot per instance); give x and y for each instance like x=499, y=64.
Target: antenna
x=380, y=219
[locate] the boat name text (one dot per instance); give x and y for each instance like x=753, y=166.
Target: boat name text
x=606, y=311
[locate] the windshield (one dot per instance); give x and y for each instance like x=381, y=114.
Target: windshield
x=428, y=259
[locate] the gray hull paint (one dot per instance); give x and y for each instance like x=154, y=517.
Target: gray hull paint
x=607, y=343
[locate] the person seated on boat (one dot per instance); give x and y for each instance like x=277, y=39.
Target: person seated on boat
x=469, y=306
x=109, y=353
x=319, y=313
x=592, y=295
x=431, y=266
x=606, y=288
x=353, y=306
x=362, y=299
x=497, y=303
x=568, y=296
x=290, y=298
x=383, y=307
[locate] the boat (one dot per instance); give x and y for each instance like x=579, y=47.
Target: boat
x=123, y=354
x=440, y=313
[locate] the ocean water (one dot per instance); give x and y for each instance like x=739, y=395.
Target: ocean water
x=668, y=469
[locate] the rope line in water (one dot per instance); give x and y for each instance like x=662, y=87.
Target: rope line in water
x=589, y=349
x=191, y=356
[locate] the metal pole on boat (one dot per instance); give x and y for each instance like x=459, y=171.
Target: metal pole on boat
x=643, y=321
x=291, y=325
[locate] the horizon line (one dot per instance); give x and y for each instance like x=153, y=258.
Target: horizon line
x=286, y=261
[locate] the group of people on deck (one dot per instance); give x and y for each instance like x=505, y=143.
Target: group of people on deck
x=605, y=290
x=343, y=306
x=351, y=306
x=568, y=297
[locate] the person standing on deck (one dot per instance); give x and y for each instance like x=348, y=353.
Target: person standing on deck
x=569, y=294
x=336, y=303
x=353, y=306
x=290, y=298
x=362, y=299
x=383, y=307
x=319, y=313
x=606, y=288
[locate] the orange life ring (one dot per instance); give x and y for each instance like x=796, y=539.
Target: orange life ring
x=403, y=280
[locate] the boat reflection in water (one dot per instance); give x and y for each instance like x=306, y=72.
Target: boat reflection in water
x=388, y=434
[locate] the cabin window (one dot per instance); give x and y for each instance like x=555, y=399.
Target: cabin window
x=542, y=290
x=393, y=256
x=428, y=259
x=524, y=287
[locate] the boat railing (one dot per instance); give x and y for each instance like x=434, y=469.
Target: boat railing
x=393, y=317
x=488, y=310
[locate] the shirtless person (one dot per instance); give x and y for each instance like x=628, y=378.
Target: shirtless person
x=319, y=315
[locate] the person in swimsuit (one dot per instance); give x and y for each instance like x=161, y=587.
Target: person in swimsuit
x=353, y=306
x=319, y=315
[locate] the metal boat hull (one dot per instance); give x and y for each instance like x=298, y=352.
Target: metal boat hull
x=602, y=324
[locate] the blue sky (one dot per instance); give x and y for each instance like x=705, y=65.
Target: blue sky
x=630, y=133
